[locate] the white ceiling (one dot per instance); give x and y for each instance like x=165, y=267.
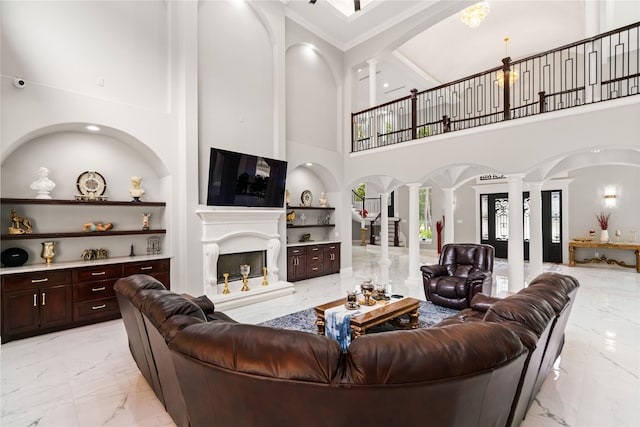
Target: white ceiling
x=449, y=50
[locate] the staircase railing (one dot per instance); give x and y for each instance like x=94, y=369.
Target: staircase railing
x=592, y=70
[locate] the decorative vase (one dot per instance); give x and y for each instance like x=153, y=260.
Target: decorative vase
x=48, y=251
x=604, y=236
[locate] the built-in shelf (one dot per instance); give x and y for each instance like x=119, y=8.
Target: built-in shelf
x=309, y=225
x=6, y=200
x=315, y=208
x=79, y=234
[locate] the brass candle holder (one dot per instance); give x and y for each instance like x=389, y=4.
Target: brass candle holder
x=265, y=282
x=226, y=283
x=245, y=269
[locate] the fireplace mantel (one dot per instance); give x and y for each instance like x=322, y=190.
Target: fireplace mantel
x=236, y=230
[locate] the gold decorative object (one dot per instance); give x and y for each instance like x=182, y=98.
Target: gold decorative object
x=245, y=269
x=19, y=225
x=48, y=251
x=265, y=282
x=226, y=283
x=97, y=226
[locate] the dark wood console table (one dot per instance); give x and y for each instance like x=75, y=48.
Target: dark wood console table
x=623, y=246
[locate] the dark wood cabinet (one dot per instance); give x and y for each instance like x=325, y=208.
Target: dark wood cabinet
x=39, y=302
x=33, y=302
x=296, y=264
x=307, y=261
x=332, y=258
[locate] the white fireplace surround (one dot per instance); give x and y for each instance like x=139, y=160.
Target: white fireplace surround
x=236, y=230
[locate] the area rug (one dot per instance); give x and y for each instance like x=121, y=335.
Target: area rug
x=305, y=320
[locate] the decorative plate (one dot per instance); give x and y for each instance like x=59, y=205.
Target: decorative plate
x=306, y=197
x=91, y=183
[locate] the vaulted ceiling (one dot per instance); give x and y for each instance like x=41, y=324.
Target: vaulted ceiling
x=449, y=50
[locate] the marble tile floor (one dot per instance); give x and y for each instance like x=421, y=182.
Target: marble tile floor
x=86, y=377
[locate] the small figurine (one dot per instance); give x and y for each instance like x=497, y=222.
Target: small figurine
x=136, y=192
x=88, y=254
x=97, y=226
x=287, y=196
x=19, y=225
x=323, y=200
x=145, y=220
x=43, y=185
x=291, y=216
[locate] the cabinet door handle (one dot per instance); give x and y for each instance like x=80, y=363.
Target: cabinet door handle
x=332, y=257
x=44, y=301
x=315, y=258
x=315, y=249
x=102, y=288
x=39, y=280
x=315, y=268
x=146, y=268
x=35, y=300
x=98, y=307
x=99, y=273
x=332, y=247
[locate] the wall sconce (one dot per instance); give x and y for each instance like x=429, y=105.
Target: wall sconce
x=610, y=198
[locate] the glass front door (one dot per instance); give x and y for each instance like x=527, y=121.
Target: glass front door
x=494, y=224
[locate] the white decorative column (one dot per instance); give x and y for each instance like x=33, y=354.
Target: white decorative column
x=373, y=141
x=449, y=218
x=515, y=249
x=210, y=273
x=372, y=81
x=413, y=278
x=535, y=230
x=384, y=229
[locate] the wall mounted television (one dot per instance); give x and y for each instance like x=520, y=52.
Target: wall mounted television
x=237, y=179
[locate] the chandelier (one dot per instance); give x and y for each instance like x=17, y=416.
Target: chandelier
x=475, y=14
x=513, y=73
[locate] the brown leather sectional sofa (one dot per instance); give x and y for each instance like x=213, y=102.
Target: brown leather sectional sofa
x=481, y=367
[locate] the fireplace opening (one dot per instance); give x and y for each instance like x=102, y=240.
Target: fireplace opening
x=230, y=263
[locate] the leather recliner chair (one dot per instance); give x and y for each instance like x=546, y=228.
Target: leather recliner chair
x=464, y=269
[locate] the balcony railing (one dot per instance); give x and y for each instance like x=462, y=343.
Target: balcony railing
x=593, y=70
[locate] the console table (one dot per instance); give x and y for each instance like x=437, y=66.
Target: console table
x=623, y=246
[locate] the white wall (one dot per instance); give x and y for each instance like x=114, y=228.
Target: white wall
x=235, y=78
x=80, y=43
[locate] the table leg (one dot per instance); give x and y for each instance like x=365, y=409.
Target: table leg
x=320, y=325
x=638, y=260
x=572, y=256
x=358, y=332
x=413, y=319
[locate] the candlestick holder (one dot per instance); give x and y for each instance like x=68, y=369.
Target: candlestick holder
x=245, y=269
x=265, y=282
x=226, y=283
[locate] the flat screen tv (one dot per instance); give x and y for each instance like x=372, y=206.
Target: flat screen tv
x=237, y=179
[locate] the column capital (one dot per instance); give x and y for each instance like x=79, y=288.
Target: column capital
x=372, y=61
x=414, y=185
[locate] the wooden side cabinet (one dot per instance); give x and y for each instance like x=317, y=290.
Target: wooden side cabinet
x=39, y=302
x=296, y=263
x=34, y=303
x=332, y=258
x=307, y=261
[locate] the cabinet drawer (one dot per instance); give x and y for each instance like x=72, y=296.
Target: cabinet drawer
x=98, y=272
x=314, y=269
x=295, y=251
x=35, y=280
x=96, y=309
x=146, y=267
x=314, y=249
x=315, y=257
x=95, y=290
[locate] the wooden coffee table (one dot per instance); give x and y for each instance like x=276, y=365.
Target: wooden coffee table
x=385, y=311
